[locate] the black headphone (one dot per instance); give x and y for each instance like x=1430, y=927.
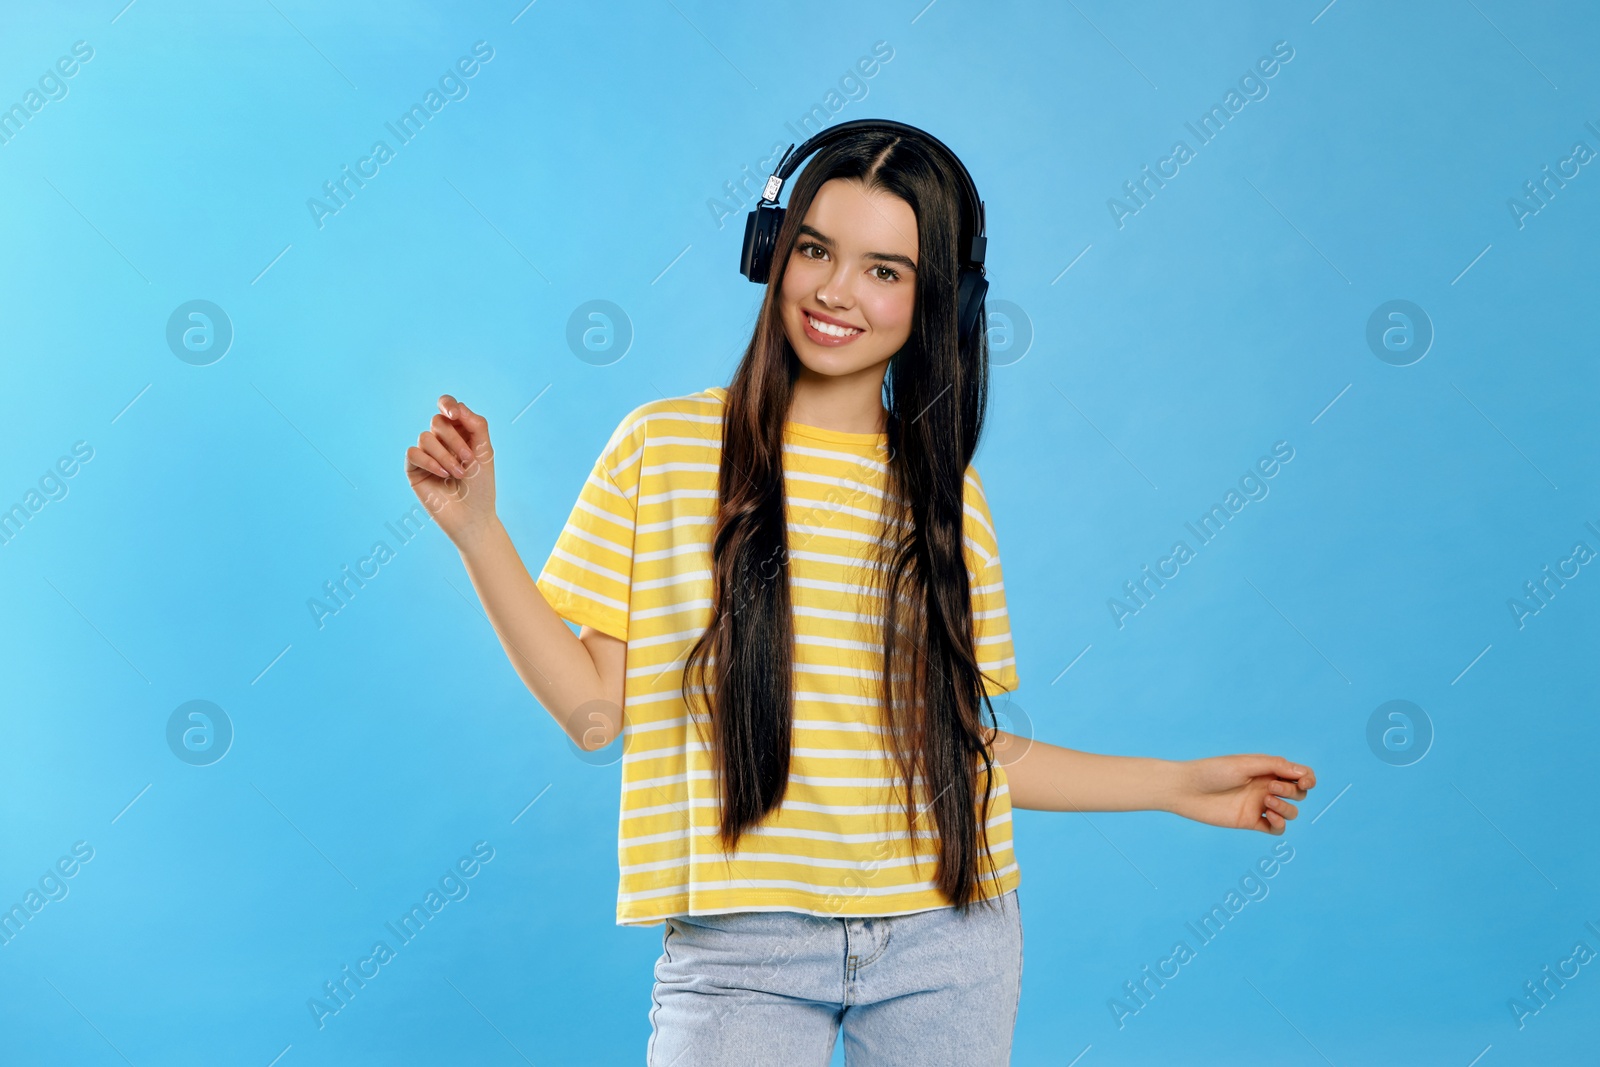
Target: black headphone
x=762, y=224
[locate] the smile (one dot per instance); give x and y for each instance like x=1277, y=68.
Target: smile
x=829, y=330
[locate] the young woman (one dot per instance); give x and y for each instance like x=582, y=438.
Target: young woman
x=793, y=587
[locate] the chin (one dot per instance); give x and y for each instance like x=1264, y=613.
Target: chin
x=832, y=362
x=835, y=362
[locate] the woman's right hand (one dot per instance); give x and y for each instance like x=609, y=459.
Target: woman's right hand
x=451, y=469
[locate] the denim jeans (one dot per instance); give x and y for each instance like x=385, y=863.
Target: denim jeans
x=757, y=988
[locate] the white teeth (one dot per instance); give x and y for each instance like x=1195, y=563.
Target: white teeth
x=830, y=329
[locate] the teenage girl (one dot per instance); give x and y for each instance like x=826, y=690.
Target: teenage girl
x=793, y=586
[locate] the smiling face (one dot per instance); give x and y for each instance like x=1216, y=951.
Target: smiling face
x=850, y=287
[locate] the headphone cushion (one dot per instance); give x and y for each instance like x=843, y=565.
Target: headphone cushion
x=761, y=228
x=973, y=287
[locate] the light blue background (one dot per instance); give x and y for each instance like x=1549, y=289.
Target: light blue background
x=1229, y=313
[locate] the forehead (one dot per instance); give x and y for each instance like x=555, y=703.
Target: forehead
x=863, y=220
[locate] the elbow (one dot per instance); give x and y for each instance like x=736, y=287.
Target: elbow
x=594, y=724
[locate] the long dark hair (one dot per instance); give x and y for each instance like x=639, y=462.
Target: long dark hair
x=936, y=390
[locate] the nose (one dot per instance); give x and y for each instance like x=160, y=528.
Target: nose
x=835, y=291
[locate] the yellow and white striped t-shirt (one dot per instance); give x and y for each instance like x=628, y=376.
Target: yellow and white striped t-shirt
x=634, y=561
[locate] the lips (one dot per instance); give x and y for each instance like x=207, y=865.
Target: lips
x=819, y=316
x=830, y=331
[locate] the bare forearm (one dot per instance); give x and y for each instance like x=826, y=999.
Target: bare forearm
x=1052, y=778
x=549, y=658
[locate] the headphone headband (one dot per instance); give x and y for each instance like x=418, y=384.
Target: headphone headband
x=972, y=253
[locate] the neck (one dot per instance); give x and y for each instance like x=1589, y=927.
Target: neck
x=848, y=403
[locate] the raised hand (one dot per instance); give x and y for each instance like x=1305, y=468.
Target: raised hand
x=451, y=469
x=1245, y=792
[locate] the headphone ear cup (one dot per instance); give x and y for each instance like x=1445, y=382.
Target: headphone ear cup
x=761, y=228
x=973, y=288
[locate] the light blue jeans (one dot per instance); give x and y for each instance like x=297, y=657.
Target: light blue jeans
x=757, y=988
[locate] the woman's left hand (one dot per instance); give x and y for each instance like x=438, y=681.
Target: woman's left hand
x=1241, y=792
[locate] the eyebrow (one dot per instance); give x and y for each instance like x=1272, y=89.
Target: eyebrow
x=886, y=257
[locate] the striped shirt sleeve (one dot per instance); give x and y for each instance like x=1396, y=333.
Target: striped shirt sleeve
x=589, y=574
x=990, y=621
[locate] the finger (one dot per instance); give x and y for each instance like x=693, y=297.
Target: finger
x=417, y=459
x=1292, y=790
x=1257, y=764
x=430, y=443
x=446, y=431
x=1282, y=807
x=426, y=463
x=1271, y=823
x=475, y=428
x=1289, y=769
x=1299, y=773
